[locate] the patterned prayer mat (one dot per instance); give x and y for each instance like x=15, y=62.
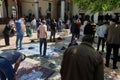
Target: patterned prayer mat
x=29, y=71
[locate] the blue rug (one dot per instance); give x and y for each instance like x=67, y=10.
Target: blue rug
x=33, y=49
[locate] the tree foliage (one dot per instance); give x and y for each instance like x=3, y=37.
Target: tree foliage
x=98, y=5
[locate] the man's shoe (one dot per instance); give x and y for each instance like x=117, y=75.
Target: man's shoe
x=97, y=49
x=54, y=40
x=21, y=48
x=102, y=50
x=115, y=67
x=17, y=48
x=106, y=65
x=7, y=44
x=45, y=56
x=40, y=54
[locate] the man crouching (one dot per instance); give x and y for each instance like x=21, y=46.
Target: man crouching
x=7, y=59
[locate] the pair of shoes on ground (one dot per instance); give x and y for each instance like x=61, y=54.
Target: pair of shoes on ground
x=101, y=50
x=7, y=45
x=44, y=56
x=19, y=48
x=114, y=67
x=106, y=65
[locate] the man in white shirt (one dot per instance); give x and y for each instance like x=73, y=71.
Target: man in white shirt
x=33, y=23
x=101, y=35
x=42, y=32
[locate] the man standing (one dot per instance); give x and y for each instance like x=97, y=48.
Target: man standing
x=8, y=30
x=74, y=30
x=33, y=23
x=112, y=42
x=82, y=62
x=53, y=28
x=59, y=25
x=20, y=29
x=6, y=34
x=101, y=35
x=42, y=29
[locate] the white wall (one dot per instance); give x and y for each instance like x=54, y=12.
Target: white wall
x=44, y=7
x=75, y=10
x=29, y=6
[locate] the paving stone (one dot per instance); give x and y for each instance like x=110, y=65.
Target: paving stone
x=54, y=61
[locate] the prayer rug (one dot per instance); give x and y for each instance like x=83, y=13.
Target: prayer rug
x=29, y=71
x=33, y=49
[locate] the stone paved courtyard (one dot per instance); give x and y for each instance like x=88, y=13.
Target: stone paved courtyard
x=54, y=61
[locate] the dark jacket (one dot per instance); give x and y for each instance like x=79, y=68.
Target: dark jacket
x=53, y=26
x=113, y=34
x=74, y=28
x=82, y=63
x=88, y=30
x=11, y=55
x=7, y=30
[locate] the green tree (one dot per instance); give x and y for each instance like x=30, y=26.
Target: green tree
x=98, y=5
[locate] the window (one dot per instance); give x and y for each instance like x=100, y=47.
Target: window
x=49, y=6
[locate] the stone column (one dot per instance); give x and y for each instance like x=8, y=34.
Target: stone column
x=1, y=9
x=6, y=5
x=36, y=9
x=62, y=9
x=15, y=2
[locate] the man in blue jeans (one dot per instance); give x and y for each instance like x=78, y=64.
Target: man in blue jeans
x=8, y=58
x=42, y=29
x=20, y=29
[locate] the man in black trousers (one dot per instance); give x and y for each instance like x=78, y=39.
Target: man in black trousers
x=112, y=42
x=6, y=34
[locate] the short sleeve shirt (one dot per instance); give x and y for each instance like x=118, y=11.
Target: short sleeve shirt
x=18, y=28
x=11, y=55
x=43, y=29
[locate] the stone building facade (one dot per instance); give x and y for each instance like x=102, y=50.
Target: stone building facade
x=40, y=8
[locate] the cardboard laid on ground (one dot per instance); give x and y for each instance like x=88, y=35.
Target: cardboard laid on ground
x=33, y=49
x=29, y=71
